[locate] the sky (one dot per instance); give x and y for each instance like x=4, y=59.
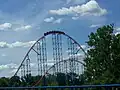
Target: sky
x=22, y=22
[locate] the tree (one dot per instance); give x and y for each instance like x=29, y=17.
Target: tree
x=103, y=56
x=14, y=81
x=61, y=79
x=116, y=59
x=4, y=82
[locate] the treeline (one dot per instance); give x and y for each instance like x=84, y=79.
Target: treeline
x=59, y=79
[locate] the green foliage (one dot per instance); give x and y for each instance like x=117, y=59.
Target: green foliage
x=4, y=82
x=60, y=79
x=14, y=81
x=103, y=61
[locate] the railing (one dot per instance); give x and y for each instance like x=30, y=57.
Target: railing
x=82, y=87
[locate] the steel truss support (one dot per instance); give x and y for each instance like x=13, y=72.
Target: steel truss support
x=39, y=59
x=57, y=51
x=44, y=59
x=23, y=73
x=72, y=54
x=72, y=49
x=28, y=68
x=76, y=64
x=44, y=55
x=59, y=39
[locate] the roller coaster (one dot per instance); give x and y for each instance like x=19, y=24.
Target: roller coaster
x=54, y=52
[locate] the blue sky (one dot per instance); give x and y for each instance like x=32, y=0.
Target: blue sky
x=22, y=22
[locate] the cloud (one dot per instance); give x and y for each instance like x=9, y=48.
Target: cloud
x=95, y=25
x=2, y=67
x=91, y=8
x=5, y=26
x=8, y=66
x=84, y=46
x=22, y=28
x=3, y=55
x=16, y=44
x=53, y=20
x=118, y=29
x=50, y=19
x=75, y=18
x=117, y=33
x=75, y=1
x=58, y=20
